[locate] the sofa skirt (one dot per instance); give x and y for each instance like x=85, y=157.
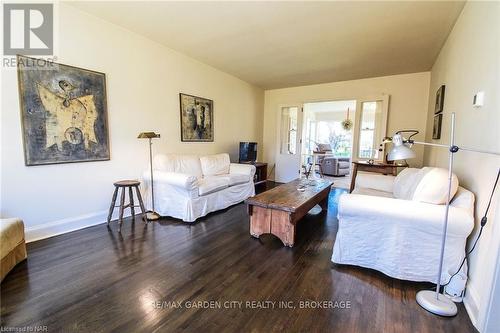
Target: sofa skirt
x=188, y=209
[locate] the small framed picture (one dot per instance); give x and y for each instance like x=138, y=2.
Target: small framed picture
x=438, y=107
x=436, y=130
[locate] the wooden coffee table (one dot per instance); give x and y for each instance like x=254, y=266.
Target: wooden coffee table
x=278, y=210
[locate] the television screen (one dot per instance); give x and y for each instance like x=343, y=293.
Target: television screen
x=248, y=152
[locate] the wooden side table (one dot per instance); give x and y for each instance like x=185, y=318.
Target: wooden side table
x=124, y=185
x=260, y=172
x=383, y=168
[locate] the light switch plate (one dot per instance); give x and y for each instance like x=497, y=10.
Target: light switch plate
x=478, y=100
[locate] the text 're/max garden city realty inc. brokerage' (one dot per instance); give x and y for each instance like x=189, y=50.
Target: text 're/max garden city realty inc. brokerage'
x=253, y=304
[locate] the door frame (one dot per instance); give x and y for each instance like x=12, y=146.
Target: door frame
x=300, y=116
x=385, y=98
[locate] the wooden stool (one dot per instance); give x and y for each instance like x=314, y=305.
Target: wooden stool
x=124, y=184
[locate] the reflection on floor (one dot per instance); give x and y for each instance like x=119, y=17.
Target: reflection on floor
x=338, y=182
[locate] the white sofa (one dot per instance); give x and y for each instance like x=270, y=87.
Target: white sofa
x=395, y=224
x=190, y=186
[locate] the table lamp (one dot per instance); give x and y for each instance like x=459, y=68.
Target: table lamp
x=151, y=215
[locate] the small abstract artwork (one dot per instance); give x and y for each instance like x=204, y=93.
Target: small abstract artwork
x=439, y=105
x=197, y=119
x=63, y=112
x=436, y=130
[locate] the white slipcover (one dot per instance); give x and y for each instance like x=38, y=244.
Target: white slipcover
x=189, y=187
x=402, y=238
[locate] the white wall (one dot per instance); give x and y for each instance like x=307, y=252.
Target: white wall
x=407, y=105
x=144, y=79
x=468, y=63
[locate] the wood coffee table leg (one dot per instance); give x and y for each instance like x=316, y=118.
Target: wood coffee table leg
x=282, y=227
x=271, y=221
x=260, y=221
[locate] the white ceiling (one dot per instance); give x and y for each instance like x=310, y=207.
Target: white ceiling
x=284, y=44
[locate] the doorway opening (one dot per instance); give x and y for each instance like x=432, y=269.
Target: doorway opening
x=327, y=142
x=326, y=129
x=323, y=138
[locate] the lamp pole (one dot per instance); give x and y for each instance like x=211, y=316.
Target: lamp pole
x=435, y=302
x=151, y=173
x=438, y=303
x=151, y=215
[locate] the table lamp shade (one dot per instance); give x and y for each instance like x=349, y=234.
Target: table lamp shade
x=148, y=135
x=400, y=151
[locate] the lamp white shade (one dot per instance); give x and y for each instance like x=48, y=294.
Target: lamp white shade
x=400, y=151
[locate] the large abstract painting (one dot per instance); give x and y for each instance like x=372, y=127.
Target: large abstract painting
x=63, y=111
x=197, y=119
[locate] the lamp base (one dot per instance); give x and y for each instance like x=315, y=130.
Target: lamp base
x=440, y=305
x=152, y=216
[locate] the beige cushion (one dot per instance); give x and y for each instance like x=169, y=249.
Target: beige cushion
x=405, y=183
x=375, y=181
x=372, y=192
x=237, y=178
x=213, y=165
x=463, y=199
x=11, y=234
x=212, y=184
x=233, y=178
x=187, y=164
x=433, y=186
x=428, y=185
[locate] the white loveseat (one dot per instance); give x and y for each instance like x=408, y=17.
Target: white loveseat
x=190, y=186
x=395, y=224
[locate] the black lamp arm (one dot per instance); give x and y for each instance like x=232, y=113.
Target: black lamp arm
x=413, y=133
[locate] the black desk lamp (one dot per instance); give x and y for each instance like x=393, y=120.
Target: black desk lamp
x=151, y=215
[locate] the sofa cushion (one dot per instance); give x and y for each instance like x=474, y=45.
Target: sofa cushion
x=405, y=183
x=212, y=184
x=375, y=181
x=214, y=165
x=372, y=192
x=187, y=164
x=464, y=199
x=238, y=178
x=433, y=186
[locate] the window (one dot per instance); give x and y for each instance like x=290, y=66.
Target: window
x=370, y=133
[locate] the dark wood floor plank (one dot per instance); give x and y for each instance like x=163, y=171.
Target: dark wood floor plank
x=96, y=280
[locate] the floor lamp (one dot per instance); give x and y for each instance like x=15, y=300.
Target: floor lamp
x=151, y=215
x=434, y=302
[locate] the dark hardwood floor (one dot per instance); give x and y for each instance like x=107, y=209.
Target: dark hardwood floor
x=96, y=280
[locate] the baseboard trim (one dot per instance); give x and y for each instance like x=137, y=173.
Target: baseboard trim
x=66, y=225
x=471, y=303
